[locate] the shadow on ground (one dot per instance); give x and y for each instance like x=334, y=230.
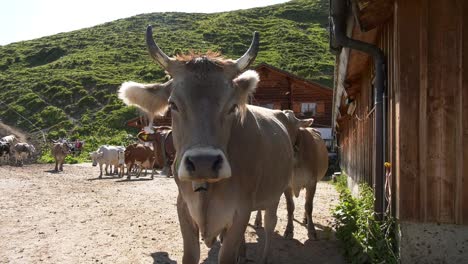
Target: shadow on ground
x=290, y=251
x=162, y=258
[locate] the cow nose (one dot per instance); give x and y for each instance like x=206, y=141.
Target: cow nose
x=204, y=163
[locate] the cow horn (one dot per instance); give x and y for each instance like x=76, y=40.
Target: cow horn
x=243, y=62
x=156, y=53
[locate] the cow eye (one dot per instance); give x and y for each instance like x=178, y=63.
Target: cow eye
x=173, y=106
x=233, y=109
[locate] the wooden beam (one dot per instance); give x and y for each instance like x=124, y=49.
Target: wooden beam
x=372, y=13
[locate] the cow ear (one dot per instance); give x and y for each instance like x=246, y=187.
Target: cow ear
x=306, y=122
x=246, y=83
x=152, y=98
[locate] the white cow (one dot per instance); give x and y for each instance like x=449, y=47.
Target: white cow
x=11, y=139
x=109, y=156
x=22, y=152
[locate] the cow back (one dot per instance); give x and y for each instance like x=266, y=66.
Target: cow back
x=311, y=157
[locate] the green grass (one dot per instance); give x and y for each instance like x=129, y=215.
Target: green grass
x=66, y=84
x=365, y=240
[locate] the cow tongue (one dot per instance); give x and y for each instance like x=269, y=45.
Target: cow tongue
x=199, y=186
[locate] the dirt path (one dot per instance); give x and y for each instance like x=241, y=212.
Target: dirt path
x=72, y=217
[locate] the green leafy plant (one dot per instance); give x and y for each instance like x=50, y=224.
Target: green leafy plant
x=364, y=239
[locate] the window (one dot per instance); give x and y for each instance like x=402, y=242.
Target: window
x=308, y=109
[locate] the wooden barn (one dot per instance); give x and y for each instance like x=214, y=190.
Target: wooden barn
x=401, y=96
x=280, y=89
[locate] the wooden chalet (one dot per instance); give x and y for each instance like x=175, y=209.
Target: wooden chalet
x=418, y=51
x=279, y=89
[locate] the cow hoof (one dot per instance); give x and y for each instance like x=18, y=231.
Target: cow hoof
x=289, y=233
x=312, y=235
x=258, y=223
x=242, y=260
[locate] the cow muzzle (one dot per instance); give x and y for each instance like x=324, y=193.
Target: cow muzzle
x=204, y=165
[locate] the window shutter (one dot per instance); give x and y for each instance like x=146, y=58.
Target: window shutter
x=320, y=107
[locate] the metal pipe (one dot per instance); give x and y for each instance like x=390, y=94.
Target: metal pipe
x=338, y=15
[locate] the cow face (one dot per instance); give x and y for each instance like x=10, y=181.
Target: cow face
x=205, y=96
x=203, y=109
x=95, y=156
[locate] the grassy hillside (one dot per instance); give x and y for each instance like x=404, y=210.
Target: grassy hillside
x=66, y=84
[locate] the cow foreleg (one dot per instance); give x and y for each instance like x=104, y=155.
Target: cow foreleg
x=100, y=168
x=270, y=223
x=258, y=219
x=129, y=169
x=61, y=164
x=56, y=164
x=309, y=206
x=289, y=232
x=139, y=170
x=190, y=233
x=121, y=170
x=233, y=248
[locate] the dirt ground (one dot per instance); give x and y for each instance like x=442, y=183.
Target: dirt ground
x=73, y=217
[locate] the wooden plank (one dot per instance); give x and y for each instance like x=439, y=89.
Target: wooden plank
x=407, y=24
x=463, y=204
x=422, y=139
x=443, y=79
x=372, y=13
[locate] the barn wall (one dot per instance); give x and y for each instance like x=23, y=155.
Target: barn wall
x=432, y=112
x=427, y=112
x=426, y=45
x=431, y=133
x=303, y=92
x=272, y=88
x=356, y=135
x=285, y=91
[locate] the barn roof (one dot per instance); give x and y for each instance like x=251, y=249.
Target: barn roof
x=292, y=76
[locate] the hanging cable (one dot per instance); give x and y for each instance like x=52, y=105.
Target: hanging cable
x=9, y=107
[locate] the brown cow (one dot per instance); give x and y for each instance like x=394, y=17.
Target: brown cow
x=163, y=146
x=311, y=164
x=231, y=158
x=59, y=152
x=138, y=154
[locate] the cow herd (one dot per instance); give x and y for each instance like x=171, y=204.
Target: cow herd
x=153, y=151
x=11, y=147
x=135, y=157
